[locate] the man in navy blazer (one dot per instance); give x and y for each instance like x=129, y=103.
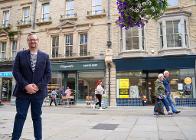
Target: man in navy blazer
x=32, y=72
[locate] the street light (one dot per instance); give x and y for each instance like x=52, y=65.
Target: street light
x=108, y=61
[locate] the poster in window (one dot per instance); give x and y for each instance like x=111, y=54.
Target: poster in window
x=134, y=92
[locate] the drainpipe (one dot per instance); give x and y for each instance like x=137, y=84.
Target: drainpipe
x=34, y=9
x=109, y=44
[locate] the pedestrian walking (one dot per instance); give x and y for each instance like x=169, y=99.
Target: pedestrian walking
x=166, y=84
x=53, y=97
x=32, y=73
x=160, y=96
x=98, y=93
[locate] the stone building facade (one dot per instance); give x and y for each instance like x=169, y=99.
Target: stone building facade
x=77, y=34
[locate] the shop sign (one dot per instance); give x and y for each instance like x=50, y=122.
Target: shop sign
x=6, y=74
x=91, y=65
x=187, y=80
x=123, y=93
x=124, y=83
x=124, y=88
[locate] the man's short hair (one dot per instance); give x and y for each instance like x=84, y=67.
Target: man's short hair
x=31, y=33
x=165, y=72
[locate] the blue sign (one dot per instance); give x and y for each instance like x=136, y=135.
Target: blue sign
x=6, y=74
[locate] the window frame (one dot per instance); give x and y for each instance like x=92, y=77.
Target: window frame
x=69, y=12
x=141, y=36
x=26, y=19
x=184, y=31
x=45, y=16
x=55, y=47
x=83, y=46
x=14, y=48
x=176, y=4
x=69, y=45
x=6, y=18
x=3, y=50
x=96, y=5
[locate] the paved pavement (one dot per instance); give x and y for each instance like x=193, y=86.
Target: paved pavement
x=114, y=123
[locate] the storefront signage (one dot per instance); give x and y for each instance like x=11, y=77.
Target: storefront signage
x=124, y=88
x=6, y=74
x=187, y=80
x=124, y=83
x=85, y=65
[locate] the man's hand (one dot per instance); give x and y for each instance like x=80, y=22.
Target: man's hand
x=31, y=88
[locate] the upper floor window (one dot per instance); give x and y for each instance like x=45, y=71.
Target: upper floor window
x=6, y=15
x=133, y=39
x=55, y=46
x=69, y=45
x=83, y=44
x=3, y=50
x=14, y=48
x=97, y=7
x=45, y=12
x=26, y=15
x=172, y=3
x=69, y=8
x=173, y=32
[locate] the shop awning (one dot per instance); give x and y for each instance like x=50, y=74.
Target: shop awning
x=154, y=63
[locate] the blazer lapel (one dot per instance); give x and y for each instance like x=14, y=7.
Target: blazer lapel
x=38, y=59
x=28, y=58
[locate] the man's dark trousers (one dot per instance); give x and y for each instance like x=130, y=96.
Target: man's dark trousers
x=22, y=105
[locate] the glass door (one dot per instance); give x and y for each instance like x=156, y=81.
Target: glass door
x=6, y=89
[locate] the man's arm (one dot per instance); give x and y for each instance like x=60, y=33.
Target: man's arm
x=47, y=75
x=17, y=73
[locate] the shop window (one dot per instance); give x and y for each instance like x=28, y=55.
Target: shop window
x=182, y=83
x=130, y=84
x=56, y=82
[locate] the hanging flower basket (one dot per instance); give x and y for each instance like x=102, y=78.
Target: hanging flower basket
x=138, y=12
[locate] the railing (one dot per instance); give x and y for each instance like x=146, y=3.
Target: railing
x=5, y=26
x=68, y=16
x=96, y=13
x=42, y=21
x=24, y=22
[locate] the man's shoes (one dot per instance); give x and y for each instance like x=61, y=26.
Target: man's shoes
x=177, y=112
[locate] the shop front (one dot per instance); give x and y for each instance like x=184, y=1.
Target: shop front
x=136, y=76
x=81, y=77
x=6, y=83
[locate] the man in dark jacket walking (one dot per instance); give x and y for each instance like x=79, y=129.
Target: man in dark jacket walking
x=32, y=73
x=168, y=92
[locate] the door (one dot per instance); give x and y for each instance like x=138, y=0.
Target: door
x=6, y=90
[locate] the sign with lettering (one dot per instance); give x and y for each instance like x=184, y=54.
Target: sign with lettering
x=6, y=74
x=83, y=65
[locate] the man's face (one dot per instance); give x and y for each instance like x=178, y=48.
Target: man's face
x=166, y=74
x=32, y=41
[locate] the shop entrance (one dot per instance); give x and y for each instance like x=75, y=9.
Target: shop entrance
x=6, y=89
x=151, y=77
